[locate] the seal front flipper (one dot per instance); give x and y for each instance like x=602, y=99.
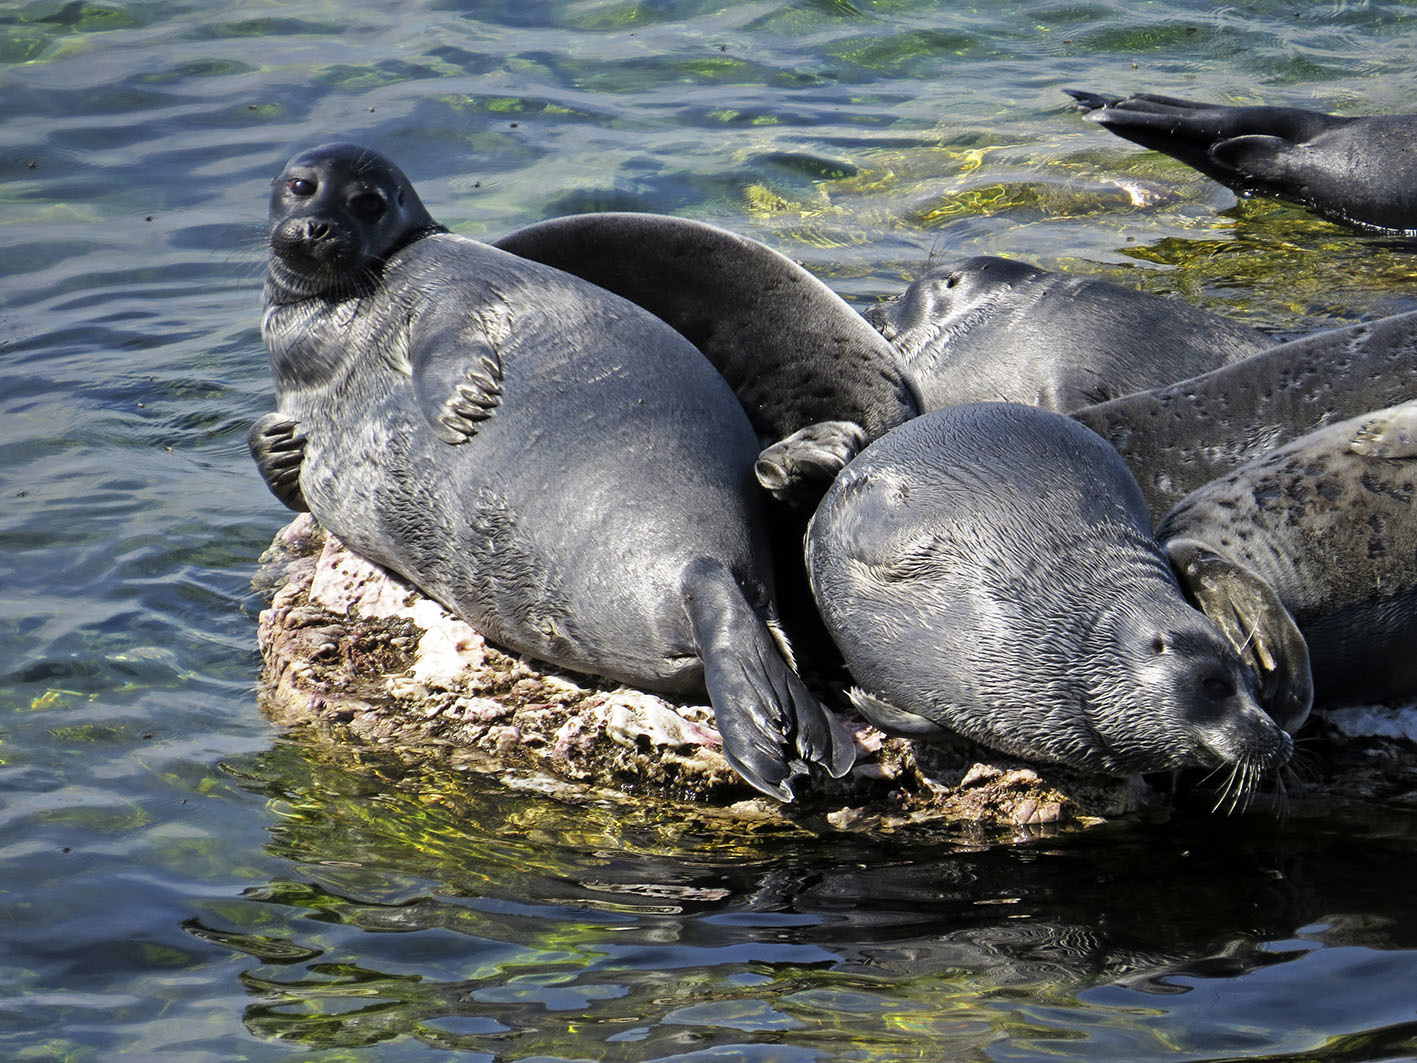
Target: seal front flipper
x=279, y=449
x=894, y=720
x=1390, y=433
x=458, y=385
x=1254, y=620
x=772, y=726
x=812, y=454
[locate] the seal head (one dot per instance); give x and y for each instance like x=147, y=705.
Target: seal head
x=337, y=212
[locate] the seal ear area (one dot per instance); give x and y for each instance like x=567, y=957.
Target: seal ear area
x=278, y=446
x=458, y=383
x=772, y=726
x=1390, y=433
x=796, y=468
x=1255, y=622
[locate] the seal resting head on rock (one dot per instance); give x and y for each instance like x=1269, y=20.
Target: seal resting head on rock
x=1352, y=169
x=547, y=460
x=990, y=570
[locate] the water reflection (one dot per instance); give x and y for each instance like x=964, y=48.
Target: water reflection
x=426, y=903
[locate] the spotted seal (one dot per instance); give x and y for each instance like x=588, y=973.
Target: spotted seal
x=1357, y=170
x=987, y=329
x=555, y=465
x=1178, y=437
x=990, y=570
x=1329, y=520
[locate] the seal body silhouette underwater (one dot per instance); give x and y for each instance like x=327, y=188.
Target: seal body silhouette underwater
x=547, y=460
x=1358, y=170
x=990, y=570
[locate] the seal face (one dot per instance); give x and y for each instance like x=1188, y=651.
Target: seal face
x=548, y=461
x=1353, y=170
x=1330, y=521
x=990, y=570
x=1184, y=435
x=988, y=329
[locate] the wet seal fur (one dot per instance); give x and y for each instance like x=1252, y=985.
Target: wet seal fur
x=1357, y=170
x=817, y=382
x=987, y=329
x=1179, y=437
x=558, y=467
x=1330, y=521
x=990, y=570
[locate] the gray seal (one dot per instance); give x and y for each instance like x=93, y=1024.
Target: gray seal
x=545, y=459
x=990, y=570
x=1356, y=170
x=988, y=329
x=1330, y=522
x=1179, y=437
x=816, y=381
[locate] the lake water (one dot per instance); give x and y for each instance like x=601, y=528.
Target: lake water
x=177, y=882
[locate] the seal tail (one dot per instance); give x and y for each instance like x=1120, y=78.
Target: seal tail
x=772, y=726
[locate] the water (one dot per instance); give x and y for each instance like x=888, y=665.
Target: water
x=178, y=882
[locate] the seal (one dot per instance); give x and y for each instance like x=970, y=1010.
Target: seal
x=1182, y=436
x=1353, y=170
x=994, y=329
x=1329, y=520
x=990, y=570
x=816, y=381
x=548, y=461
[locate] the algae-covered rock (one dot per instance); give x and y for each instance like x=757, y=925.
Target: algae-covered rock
x=355, y=655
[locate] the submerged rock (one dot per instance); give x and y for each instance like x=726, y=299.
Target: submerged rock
x=354, y=655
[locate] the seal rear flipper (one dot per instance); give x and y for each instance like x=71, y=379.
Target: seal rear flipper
x=1254, y=620
x=458, y=385
x=772, y=726
x=1390, y=433
x=810, y=455
x=893, y=719
x=279, y=449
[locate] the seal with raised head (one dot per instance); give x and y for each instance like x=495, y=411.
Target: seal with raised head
x=990, y=570
x=1357, y=170
x=816, y=381
x=552, y=463
x=988, y=329
x=1330, y=522
x=1178, y=437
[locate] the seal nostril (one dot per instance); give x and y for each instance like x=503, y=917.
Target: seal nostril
x=316, y=230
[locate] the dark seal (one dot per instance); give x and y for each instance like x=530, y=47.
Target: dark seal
x=990, y=570
x=1179, y=437
x=1357, y=170
x=816, y=381
x=550, y=462
x=988, y=329
x=1330, y=521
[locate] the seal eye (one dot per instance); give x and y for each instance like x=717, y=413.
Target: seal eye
x=300, y=186
x=1217, y=689
x=367, y=204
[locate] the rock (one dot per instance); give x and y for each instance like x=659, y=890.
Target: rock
x=354, y=655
